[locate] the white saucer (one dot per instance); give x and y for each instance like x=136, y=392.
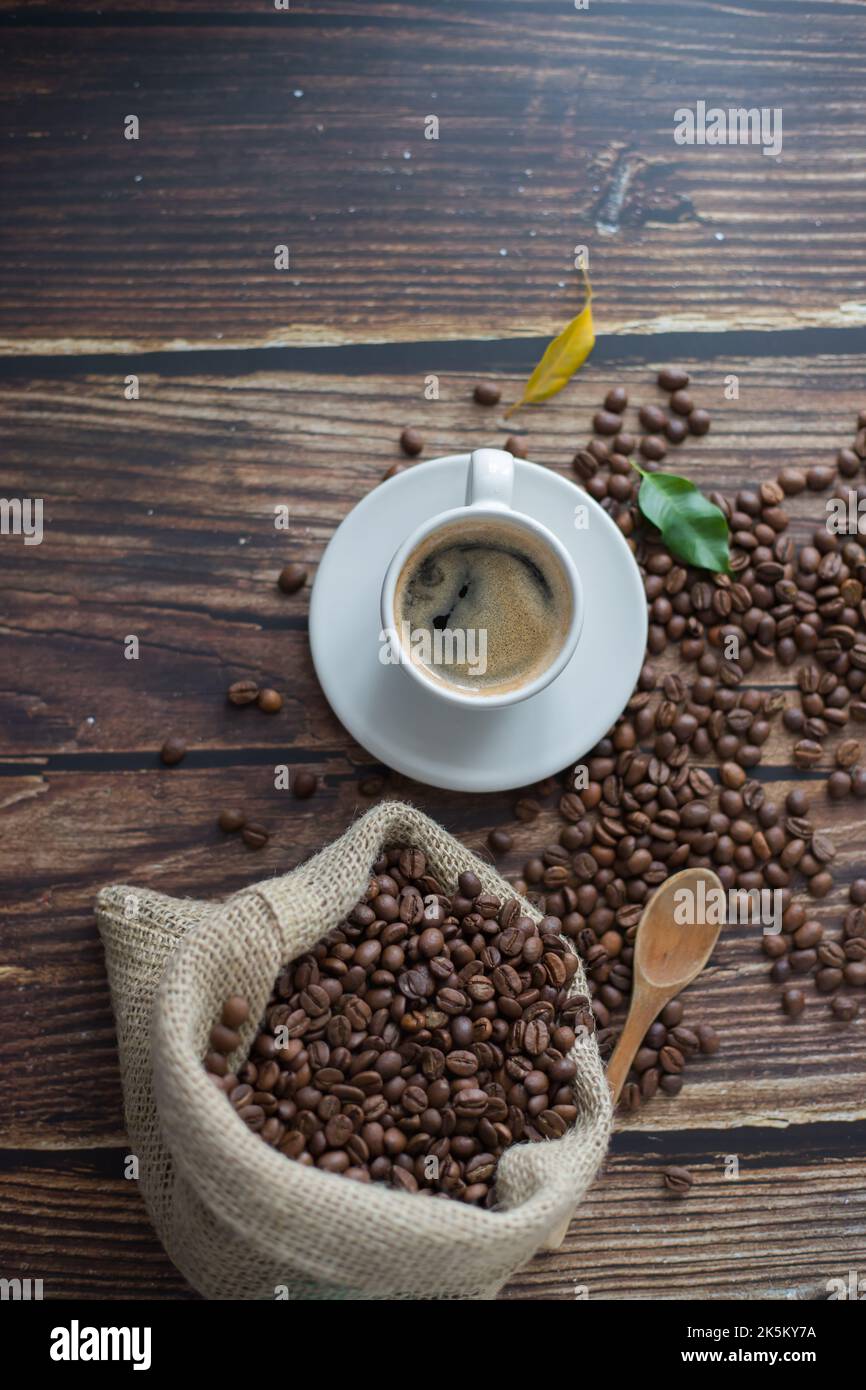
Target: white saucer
x=423, y=737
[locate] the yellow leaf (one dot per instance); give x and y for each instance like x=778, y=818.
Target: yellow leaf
x=562, y=358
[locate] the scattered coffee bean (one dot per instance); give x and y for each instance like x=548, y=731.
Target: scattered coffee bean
x=254, y=836
x=677, y=1180
x=676, y=430
x=653, y=418
x=173, y=751
x=411, y=442
x=231, y=820
x=486, y=393
x=243, y=693
x=673, y=379
x=516, y=447
x=844, y=1008
x=653, y=447
x=292, y=578
x=682, y=403
x=606, y=422
x=500, y=841
x=793, y=1002
x=819, y=478
x=303, y=785
x=271, y=701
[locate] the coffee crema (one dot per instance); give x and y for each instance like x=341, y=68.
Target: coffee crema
x=483, y=606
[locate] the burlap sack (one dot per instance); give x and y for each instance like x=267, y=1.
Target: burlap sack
x=239, y=1219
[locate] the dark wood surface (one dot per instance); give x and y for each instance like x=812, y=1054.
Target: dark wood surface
x=257, y=391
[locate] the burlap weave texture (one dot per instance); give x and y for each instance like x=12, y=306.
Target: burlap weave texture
x=239, y=1219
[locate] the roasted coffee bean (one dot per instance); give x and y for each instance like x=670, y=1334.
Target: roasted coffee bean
x=303, y=785
x=487, y=393
x=653, y=447
x=848, y=753
x=793, y=1002
x=235, y=1011
x=818, y=478
x=585, y=464
x=653, y=418
x=807, y=753
x=792, y=481
x=677, y=1180
x=231, y=820
x=673, y=379
x=173, y=751
x=682, y=403
x=411, y=442
x=671, y=1059
x=616, y=400
x=271, y=701
x=606, y=422
x=500, y=841
x=243, y=693
x=254, y=836
x=292, y=578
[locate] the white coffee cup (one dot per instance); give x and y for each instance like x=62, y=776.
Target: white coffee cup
x=489, y=489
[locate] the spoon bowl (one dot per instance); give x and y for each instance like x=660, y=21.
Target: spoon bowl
x=679, y=929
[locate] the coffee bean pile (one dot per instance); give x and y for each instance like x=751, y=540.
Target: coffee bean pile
x=427, y=1032
x=651, y=806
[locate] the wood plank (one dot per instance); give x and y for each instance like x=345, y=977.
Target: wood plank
x=552, y=134
x=785, y=1226
x=781, y=1230
x=142, y=537
x=159, y=522
x=68, y=834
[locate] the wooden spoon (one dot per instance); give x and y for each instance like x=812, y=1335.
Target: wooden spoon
x=667, y=957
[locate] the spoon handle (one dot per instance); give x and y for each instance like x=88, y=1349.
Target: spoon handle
x=645, y=1007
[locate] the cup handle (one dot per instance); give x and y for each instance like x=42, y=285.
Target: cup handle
x=490, y=481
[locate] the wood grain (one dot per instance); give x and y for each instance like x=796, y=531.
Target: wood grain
x=791, y=1220
x=69, y=834
x=145, y=503
x=155, y=258
x=553, y=134
x=159, y=522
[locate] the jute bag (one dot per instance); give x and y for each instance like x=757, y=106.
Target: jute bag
x=238, y=1218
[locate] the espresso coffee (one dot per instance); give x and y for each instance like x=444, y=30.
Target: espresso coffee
x=483, y=606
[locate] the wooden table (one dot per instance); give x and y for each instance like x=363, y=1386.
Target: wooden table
x=257, y=387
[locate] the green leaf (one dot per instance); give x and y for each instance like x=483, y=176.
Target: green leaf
x=693, y=528
x=562, y=358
